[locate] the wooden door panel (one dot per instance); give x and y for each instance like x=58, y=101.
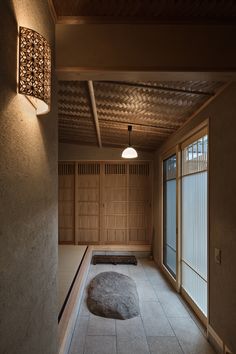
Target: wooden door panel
x=114, y=202
x=140, y=211
x=88, y=202
x=66, y=203
x=105, y=202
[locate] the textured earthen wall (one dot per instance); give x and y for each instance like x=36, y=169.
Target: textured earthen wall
x=28, y=197
x=222, y=191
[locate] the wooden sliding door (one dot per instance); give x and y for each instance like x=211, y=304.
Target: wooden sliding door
x=87, y=208
x=109, y=202
x=194, y=220
x=140, y=203
x=169, y=214
x=115, y=203
x=66, y=202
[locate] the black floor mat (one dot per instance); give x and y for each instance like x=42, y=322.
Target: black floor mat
x=105, y=259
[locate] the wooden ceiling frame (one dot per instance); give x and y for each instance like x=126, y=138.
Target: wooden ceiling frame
x=139, y=126
x=110, y=130
x=109, y=144
x=78, y=117
x=158, y=88
x=95, y=114
x=91, y=20
x=135, y=128
x=52, y=11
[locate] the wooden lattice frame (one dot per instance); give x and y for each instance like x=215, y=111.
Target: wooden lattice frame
x=34, y=66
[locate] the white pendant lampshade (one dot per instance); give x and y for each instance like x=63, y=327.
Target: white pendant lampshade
x=129, y=152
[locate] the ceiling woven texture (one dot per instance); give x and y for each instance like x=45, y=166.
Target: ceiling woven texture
x=76, y=122
x=154, y=109
x=162, y=10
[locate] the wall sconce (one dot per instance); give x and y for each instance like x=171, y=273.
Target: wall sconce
x=35, y=69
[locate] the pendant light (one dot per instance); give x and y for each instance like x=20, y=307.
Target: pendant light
x=129, y=152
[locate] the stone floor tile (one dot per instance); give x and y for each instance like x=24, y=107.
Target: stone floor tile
x=83, y=310
x=132, y=346
x=130, y=328
x=79, y=336
x=145, y=291
x=137, y=273
x=171, y=304
x=157, y=326
x=100, y=345
x=100, y=326
x=151, y=309
x=121, y=268
x=164, y=345
x=163, y=327
x=190, y=337
x=154, y=319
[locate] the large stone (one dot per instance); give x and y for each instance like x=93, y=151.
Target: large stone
x=113, y=295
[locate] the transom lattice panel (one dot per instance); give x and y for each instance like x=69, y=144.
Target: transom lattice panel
x=66, y=192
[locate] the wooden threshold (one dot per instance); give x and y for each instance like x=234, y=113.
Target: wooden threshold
x=69, y=315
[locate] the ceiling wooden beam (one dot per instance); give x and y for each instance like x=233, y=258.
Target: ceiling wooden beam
x=122, y=125
x=139, y=147
x=52, y=11
x=82, y=20
x=158, y=88
x=94, y=109
x=138, y=126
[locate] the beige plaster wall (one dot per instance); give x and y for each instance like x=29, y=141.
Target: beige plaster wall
x=222, y=191
x=82, y=152
x=28, y=197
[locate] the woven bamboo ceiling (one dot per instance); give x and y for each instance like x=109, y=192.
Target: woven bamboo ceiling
x=159, y=11
x=99, y=112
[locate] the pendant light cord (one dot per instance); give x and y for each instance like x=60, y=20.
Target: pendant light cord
x=129, y=130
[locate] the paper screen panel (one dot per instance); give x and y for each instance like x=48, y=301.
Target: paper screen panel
x=139, y=203
x=87, y=203
x=66, y=185
x=114, y=218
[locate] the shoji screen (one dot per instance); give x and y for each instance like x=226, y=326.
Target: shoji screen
x=194, y=221
x=105, y=202
x=115, y=203
x=87, y=202
x=169, y=214
x=66, y=185
x=140, y=203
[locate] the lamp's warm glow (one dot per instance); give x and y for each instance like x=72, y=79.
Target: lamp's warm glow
x=129, y=153
x=35, y=69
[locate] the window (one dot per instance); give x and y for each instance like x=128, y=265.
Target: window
x=194, y=221
x=169, y=222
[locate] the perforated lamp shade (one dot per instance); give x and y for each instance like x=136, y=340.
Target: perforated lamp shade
x=35, y=69
x=129, y=152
